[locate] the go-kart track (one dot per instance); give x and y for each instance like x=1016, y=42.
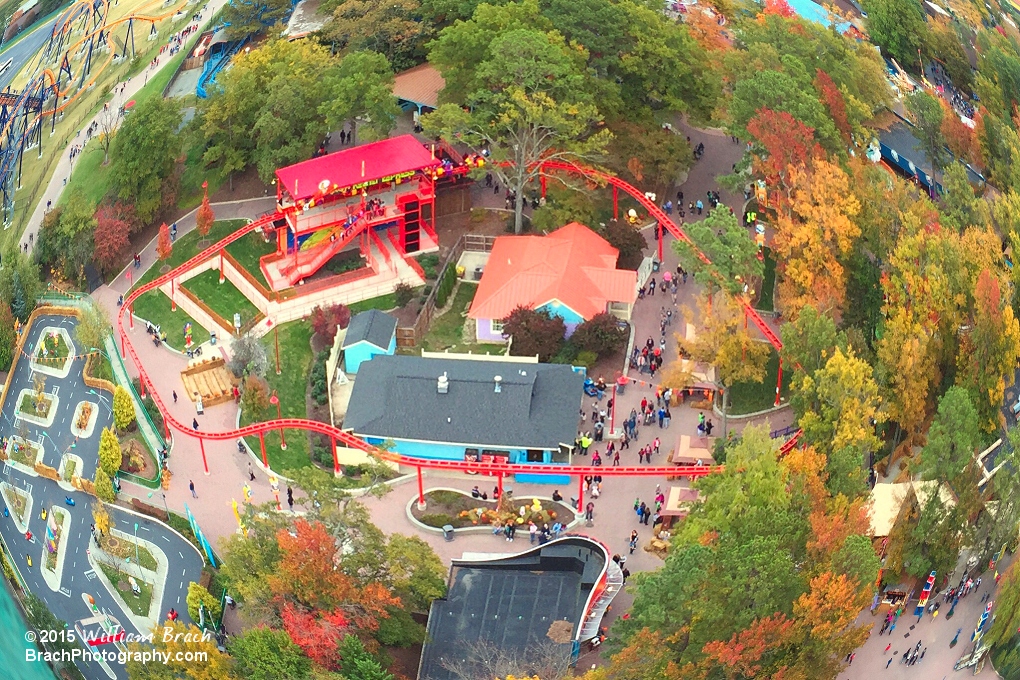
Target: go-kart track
x=62, y=72
x=340, y=437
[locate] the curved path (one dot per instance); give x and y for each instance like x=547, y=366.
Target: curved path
x=341, y=437
x=78, y=576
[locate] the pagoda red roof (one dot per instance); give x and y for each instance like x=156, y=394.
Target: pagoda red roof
x=363, y=164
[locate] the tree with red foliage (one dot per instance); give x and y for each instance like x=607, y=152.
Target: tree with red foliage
x=785, y=143
x=164, y=246
x=534, y=332
x=308, y=573
x=779, y=8
x=831, y=96
x=110, y=240
x=205, y=216
x=317, y=636
x=326, y=320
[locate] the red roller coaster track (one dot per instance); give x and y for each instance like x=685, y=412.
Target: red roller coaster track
x=339, y=436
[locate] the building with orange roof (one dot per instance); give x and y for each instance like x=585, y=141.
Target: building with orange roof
x=571, y=273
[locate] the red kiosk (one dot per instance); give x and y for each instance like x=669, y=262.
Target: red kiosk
x=330, y=201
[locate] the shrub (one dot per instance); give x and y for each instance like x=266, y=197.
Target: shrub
x=104, y=487
x=317, y=379
x=123, y=409
x=445, y=285
x=438, y=520
x=326, y=320
x=429, y=264
x=600, y=335
x=586, y=359
x=109, y=452
x=534, y=333
x=403, y=293
x=399, y=629
x=150, y=510
x=197, y=595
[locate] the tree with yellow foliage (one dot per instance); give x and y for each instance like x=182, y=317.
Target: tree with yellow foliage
x=724, y=342
x=839, y=408
x=816, y=236
x=178, y=642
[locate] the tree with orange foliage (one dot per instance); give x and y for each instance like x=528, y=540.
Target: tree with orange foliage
x=205, y=216
x=831, y=96
x=706, y=30
x=164, y=246
x=783, y=144
x=308, y=573
x=815, y=237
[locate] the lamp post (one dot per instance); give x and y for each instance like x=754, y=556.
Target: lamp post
x=276, y=339
x=139, y=564
x=275, y=400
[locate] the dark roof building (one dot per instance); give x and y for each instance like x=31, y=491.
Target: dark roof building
x=903, y=151
x=466, y=402
x=546, y=600
x=372, y=326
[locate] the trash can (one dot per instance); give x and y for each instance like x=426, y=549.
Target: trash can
x=212, y=337
x=655, y=265
x=448, y=532
x=478, y=273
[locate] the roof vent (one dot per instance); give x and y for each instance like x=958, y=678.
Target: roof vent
x=443, y=386
x=499, y=384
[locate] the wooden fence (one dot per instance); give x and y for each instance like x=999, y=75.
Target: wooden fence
x=411, y=336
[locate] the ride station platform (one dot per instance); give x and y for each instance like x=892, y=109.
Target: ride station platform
x=330, y=203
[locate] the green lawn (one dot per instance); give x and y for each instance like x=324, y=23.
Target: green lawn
x=154, y=307
x=223, y=298
x=90, y=175
x=447, y=330
x=296, y=364
x=383, y=302
x=752, y=397
x=138, y=604
x=186, y=247
x=247, y=250
x=766, y=302
x=101, y=368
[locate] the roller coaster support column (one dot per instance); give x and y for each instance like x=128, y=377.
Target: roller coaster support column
x=205, y=464
x=262, y=445
x=123, y=351
x=660, y=227
x=167, y=437
x=221, y=266
x=421, y=489
x=336, y=461
x=499, y=477
x=616, y=203
x=131, y=317
x=612, y=411
x=173, y=302
x=779, y=381
x=580, y=493
x=541, y=182
x=141, y=384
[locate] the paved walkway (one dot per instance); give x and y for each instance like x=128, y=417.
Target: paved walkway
x=64, y=165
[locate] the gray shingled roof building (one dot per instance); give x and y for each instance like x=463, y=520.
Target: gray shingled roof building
x=466, y=402
x=372, y=326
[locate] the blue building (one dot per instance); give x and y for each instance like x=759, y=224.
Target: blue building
x=369, y=334
x=467, y=409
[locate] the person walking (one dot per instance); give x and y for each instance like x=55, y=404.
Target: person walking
x=251, y=473
x=616, y=458
x=887, y=647
x=887, y=663
x=175, y=396
x=290, y=497
x=533, y=531
x=633, y=541
x=194, y=423
x=191, y=485
x=589, y=511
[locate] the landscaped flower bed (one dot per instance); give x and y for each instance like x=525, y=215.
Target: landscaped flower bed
x=23, y=451
x=35, y=405
x=17, y=501
x=460, y=510
x=51, y=555
x=53, y=349
x=84, y=413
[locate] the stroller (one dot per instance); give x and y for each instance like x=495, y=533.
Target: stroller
x=589, y=388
